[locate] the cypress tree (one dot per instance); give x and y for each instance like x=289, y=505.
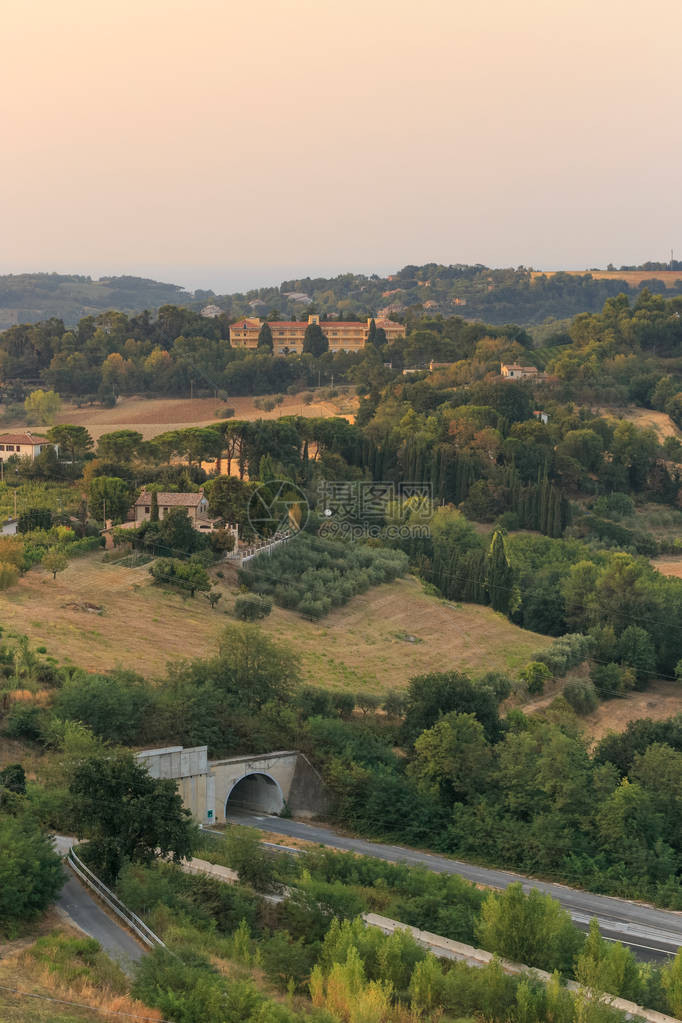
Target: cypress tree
x=154, y=508
x=500, y=579
x=265, y=338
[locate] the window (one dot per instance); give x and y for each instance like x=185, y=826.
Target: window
x=146, y=509
x=2, y=447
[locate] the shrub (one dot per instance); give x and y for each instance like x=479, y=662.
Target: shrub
x=612, y=679
x=566, y=652
x=581, y=695
x=534, y=676
x=30, y=871
x=24, y=721
x=252, y=607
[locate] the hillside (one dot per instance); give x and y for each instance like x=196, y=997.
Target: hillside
x=99, y=616
x=29, y=298
x=496, y=295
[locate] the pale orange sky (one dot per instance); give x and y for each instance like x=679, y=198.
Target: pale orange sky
x=226, y=145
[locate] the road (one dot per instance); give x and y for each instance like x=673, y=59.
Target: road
x=86, y=913
x=653, y=934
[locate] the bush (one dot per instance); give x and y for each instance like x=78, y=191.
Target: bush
x=581, y=695
x=31, y=874
x=116, y=707
x=24, y=721
x=252, y=607
x=185, y=575
x=616, y=505
x=566, y=652
x=534, y=676
x=612, y=679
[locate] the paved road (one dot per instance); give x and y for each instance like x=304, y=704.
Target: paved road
x=653, y=934
x=86, y=913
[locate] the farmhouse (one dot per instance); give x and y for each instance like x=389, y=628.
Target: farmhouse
x=288, y=335
x=513, y=370
x=23, y=445
x=195, y=505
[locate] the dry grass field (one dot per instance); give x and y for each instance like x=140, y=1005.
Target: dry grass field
x=632, y=277
x=46, y=996
x=99, y=616
x=661, y=700
x=644, y=417
x=669, y=565
x=152, y=416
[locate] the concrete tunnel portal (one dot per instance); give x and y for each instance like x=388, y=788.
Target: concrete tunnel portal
x=258, y=792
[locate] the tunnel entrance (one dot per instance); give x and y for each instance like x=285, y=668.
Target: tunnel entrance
x=255, y=792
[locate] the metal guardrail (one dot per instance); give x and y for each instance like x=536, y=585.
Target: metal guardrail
x=146, y=934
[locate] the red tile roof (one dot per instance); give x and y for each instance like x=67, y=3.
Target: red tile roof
x=22, y=438
x=171, y=500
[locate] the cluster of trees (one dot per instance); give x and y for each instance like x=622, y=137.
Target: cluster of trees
x=314, y=575
x=496, y=295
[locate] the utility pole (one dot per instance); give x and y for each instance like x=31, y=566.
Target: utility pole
x=15, y=504
x=104, y=511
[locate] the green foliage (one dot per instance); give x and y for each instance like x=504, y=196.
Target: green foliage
x=315, y=342
x=534, y=675
x=312, y=575
x=183, y=575
x=429, y=697
x=126, y=814
x=581, y=695
x=116, y=707
x=34, y=518
x=111, y=493
x=245, y=854
x=605, y=966
x=43, y=406
x=54, y=561
x=500, y=577
x=31, y=873
x=252, y=607
x=529, y=928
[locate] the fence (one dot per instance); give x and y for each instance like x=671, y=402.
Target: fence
x=264, y=547
x=146, y=934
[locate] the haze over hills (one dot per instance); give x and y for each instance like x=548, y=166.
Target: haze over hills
x=520, y=295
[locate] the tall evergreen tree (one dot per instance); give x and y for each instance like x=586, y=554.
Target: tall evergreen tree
x=265, y=338
x=500, y=578
x=315, y=341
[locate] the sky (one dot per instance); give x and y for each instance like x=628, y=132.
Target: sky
x=228, y=145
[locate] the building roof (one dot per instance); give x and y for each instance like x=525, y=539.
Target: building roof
x=22, y=438
x=171, y=500
x=516, y=365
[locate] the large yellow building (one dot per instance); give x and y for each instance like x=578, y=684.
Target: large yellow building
x=288, y=335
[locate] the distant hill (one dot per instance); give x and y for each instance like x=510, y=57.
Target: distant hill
x=478, y=292
x=29, y=298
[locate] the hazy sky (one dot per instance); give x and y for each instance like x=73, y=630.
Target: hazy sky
x=225, y=145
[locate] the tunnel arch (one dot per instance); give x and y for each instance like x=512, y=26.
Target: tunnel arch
x=257, y=791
